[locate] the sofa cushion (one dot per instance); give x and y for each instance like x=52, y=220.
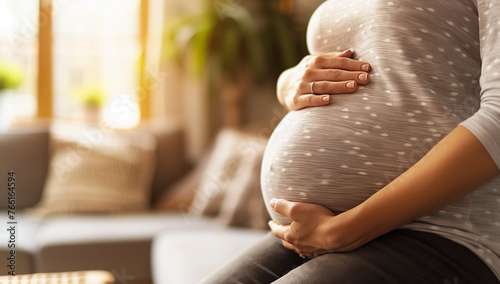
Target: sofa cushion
x=25, y=236
x=23, y=262
x=94, y=170
x=25, y=153
x=188, y=256
x=180, y=195
x=171, y=161
x=120, y=244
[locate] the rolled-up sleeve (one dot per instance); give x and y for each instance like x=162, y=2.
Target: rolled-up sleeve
x=485, y=123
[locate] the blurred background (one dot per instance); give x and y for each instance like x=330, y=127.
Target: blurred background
x=206, y=64
x=132, y=131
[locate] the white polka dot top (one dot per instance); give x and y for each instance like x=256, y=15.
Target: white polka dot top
x=435, y=65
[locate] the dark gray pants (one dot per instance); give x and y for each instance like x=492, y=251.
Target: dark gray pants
x=401, y=256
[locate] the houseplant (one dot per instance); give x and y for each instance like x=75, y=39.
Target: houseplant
x=230, y=45
x=11, y=78
x=92, y=98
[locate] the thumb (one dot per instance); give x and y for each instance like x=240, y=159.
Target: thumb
x=346, y=53
x=286, y=208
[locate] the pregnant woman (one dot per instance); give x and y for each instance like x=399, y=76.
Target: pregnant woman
x=395, y=178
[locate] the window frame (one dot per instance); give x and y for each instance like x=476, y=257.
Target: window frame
x=45, y=89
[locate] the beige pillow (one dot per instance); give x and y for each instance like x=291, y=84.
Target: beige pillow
x=221, y=167
x=230, y=185
x=97, y=171
x=243, y=205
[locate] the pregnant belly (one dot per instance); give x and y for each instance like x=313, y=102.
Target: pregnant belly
x=336, y=157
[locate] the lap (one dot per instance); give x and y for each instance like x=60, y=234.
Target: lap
x=401, y=256
x=264, y=262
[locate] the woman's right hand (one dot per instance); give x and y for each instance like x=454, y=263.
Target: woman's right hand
x=332, y=73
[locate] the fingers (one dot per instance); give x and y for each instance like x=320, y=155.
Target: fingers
x=281, y=206
x=289, y=239
x=337, y=75
x=333, y=61
x=292, y=210
x=345, y=53
x=332, y=73
x=309, y=100
x=278, y=230
x=283, y=232
x=331, y=81
x=325, y=87
x=304, y=252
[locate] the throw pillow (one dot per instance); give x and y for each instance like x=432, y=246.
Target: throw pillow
x=243, y=205
x=230, y=186
x=97, y=171
x=221, y=167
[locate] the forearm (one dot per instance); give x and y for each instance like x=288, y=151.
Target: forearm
x=456, y=166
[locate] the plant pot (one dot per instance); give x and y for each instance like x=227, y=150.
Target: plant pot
x=91, y=114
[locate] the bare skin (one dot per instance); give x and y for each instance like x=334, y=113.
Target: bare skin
x=333, y=73
x=455, y=167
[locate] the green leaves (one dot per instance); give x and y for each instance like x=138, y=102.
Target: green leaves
x=90, y=95
x=224, y=36
x=11, y=75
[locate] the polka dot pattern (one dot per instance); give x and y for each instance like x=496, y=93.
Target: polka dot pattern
x=425, y=82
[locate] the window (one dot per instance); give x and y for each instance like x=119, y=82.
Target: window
x=96, y=44
x=18, y=46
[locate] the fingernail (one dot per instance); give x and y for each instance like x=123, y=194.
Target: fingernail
x=326, y=98
x=350, y=85
x=363, y=76
x=347, y=50
x=273, y=202
x=365, y=67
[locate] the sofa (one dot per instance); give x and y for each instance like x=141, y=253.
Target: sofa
x=143, y=246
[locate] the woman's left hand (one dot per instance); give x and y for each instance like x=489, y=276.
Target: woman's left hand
x=309, y=233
